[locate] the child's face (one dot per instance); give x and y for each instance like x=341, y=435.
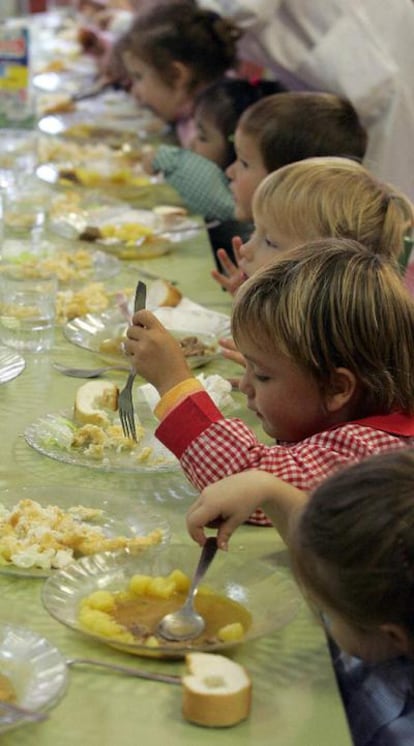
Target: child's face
x=286, y=399
x=165, y=99
x=245, y=174
x=209, y=141
x=263, y=247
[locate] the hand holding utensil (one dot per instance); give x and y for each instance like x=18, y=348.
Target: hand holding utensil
x=186, y=623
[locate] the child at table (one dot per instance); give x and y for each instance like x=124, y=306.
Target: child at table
x=174, y=51
x=352, y=551
x=327, y=332
x=269, y=134
x=198, y=173
x=317, y=198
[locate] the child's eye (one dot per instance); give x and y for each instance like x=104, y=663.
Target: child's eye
x=261, y=378
x=271, y=244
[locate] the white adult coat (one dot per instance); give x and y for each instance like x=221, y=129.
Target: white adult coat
x=359, y=49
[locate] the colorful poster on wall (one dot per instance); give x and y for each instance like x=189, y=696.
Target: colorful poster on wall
x=16, y=107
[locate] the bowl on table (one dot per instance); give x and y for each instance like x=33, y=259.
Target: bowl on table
x=258, y=596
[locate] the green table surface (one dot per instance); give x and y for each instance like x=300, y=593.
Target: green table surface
x=295, y=697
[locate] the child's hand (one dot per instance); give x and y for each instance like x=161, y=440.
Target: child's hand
x=230, y=351
x=224, y=505
x=228, y=503
x=232, y=277
x=155, y=353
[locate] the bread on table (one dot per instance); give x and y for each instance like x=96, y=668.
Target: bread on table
x=167, y=216
x=163, y=293
x=93, y=400
x=216, y=691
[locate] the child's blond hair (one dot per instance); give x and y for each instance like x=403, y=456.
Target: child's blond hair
x=352, y=548
x=321, y=197
x=333, y=303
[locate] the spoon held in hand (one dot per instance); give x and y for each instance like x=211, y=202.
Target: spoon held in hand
x=186, y=623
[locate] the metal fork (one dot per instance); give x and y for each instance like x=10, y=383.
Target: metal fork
x=125, y=403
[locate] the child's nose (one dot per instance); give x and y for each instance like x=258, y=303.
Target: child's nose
x=230, y=170
x=244, y=385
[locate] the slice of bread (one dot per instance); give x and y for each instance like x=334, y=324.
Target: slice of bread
x=91, y=401
x=167, y=216
x=216, y=691
x=162, y=293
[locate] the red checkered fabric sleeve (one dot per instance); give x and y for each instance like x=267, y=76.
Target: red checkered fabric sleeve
x=211, y=447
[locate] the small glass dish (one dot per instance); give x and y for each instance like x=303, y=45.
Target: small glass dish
x=35, y=668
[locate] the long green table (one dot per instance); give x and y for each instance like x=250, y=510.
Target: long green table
x=295, y=698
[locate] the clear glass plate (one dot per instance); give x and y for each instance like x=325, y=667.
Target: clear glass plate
x=267, y=592
x=85, y=225
x=72, y=267
x=11, y=364
x=102, y=333
x=35, y=668
x=51, y=435
x=121, y=516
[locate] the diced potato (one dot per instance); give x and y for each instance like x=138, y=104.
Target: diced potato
x=161, y=587
x=231, y=632
x=180, y=580
x=101, y=600
x=152, y=642
x=139, y=584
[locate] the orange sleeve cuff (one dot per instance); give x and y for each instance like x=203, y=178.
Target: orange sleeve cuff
x=174, y=396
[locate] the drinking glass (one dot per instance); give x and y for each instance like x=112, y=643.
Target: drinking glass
x=27, y=309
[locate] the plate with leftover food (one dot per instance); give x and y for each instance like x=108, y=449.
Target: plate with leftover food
x=93, y=174
x=91, y=434
x=43, y=529
x=105, y=333
x=128, y=232
x=72, y=267
x=118, y=599
x=58, y=149
x=33, y=673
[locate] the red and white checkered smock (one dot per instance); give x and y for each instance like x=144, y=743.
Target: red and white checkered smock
x=211, y=447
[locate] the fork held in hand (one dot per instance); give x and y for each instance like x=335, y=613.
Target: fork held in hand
x=125, y=402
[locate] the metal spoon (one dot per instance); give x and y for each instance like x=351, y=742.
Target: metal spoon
x=87, y=372
x=186, y=623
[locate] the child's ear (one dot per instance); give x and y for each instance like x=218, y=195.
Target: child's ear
x=341, y=389
x=398, y=638
x=180, y=74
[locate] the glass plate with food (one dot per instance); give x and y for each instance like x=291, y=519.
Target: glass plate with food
x=73, y=266
x=45, y=528
x=93, y=174
x=90, y=434
x=105, y=333
x=130, y=233
x=33, y=673
x=118, y=599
